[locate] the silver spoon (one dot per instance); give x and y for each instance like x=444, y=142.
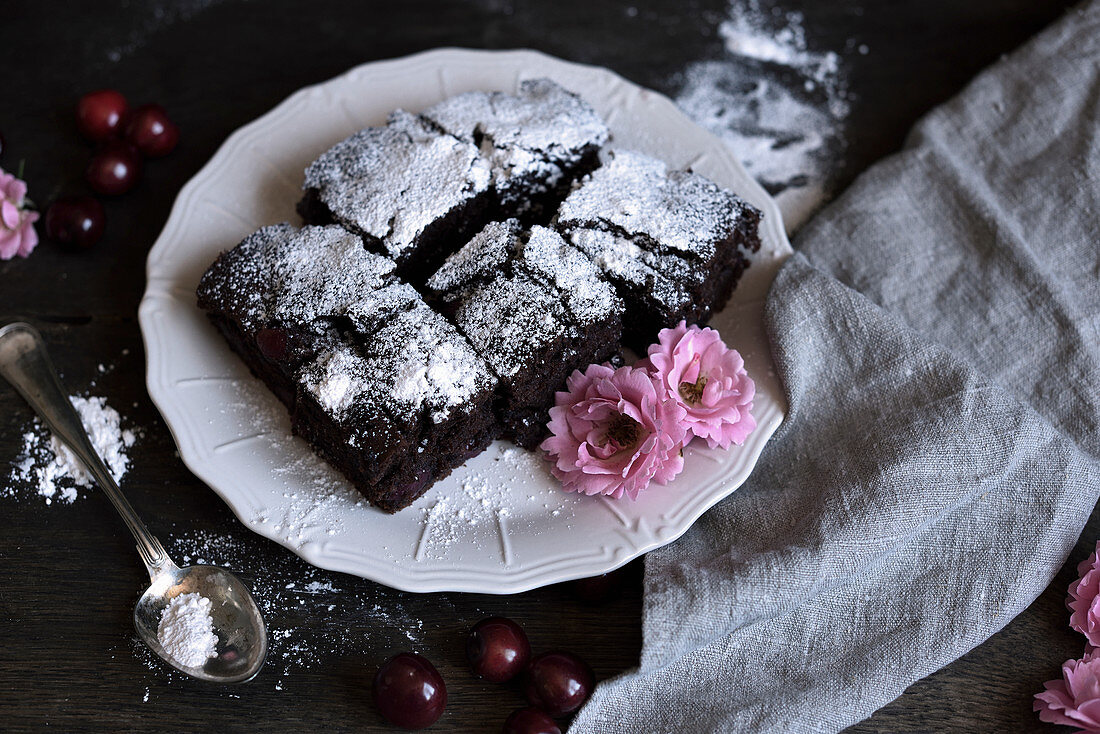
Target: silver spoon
x=242, y=637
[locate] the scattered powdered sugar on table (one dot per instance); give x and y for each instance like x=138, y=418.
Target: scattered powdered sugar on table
x=186, y=630
x=53, y=471
x=749, y=35
x=780, y=105
x=150, y=18
x=312, y=615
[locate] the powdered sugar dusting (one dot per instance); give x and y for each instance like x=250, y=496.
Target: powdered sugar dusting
x=511, y=317
x=429, y=363
x=521, y=292
x=146, y=20
x=636, y=195
x=748, y=35
x=332, y=384
x=306, y=287
x=311, y=614
x=483, y=256
x=623, y=260
x=391, y=182
x=53, y=471
x=318, y=502
x=527, y=136
x=281, y=273
x=186, y=630
x=513, y=320
x=780, y=105
x=414, y=360
x=586, y=295
x=315, y=498
x=485, y=511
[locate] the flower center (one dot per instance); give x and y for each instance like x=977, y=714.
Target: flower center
x=622, y=433
x=693, y=391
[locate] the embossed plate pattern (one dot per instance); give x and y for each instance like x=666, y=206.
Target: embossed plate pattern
x=499, y=524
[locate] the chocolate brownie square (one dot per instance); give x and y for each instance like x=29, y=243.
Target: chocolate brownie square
x=413, y=192
x=535, y=309
x=434, y=395
x=673, y=242
x=537, y=142
x=273, y=294
x=384, y=388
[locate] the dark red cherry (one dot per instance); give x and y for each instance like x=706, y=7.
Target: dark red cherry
x=497, y=649
x=100, y=115
x=151, y=132
x=75, y=220
x=530, y=721
x=409, y=692
x=114, y=169
x=558, y=683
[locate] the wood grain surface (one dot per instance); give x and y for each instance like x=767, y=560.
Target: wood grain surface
x=69, y=659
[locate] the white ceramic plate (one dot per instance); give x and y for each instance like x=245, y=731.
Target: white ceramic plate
x=499, y=524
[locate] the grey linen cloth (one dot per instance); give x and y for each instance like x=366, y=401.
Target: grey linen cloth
x=938, y=337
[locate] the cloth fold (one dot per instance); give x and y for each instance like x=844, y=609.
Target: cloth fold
x=938, y=337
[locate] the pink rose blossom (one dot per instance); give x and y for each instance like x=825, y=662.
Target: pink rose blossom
x=17, y=235
x=614, y=432
x=1084, y=599
x=696, y=369
x=1074, y=700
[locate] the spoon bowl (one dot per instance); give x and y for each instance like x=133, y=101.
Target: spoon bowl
x=242, y=637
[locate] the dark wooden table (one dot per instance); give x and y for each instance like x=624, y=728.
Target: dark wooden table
x=69, y=575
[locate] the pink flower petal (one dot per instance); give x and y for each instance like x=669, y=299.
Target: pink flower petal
x=1083, y=600
x=6, y=181
x=1075, y=699
x=16, y=191
x=613, y=432
x=9, y=214
x=17, y=233
x=696, y=369
x=9, y=244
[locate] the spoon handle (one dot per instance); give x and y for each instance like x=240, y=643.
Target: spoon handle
x=25, y=363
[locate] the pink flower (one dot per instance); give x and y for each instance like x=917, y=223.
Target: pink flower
x=696, y=369
x=17, y=235
x=614, y=432
x=1084, y=599
x=1074, y=700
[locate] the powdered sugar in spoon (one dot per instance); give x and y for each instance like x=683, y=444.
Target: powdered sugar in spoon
x=241, y=635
